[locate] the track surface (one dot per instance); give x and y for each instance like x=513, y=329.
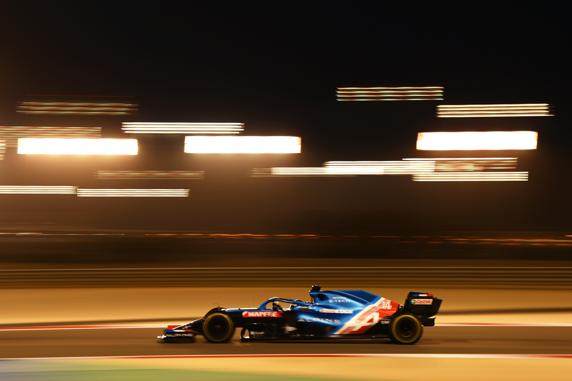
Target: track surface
x=135, y=342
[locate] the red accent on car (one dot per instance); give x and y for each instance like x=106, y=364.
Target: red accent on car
x=262, y=314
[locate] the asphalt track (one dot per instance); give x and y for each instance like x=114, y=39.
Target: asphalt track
x=141, y=342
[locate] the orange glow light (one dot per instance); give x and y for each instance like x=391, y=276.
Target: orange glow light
x=36, y=189
x=77, y=108
x=459, y=164
x=472, y=176
x=121, y=192
x=493, y=110
x=477, y=140
x=387, y=93
x=243, y=144
x=395, y=167
x=76, y=146
x=182, y=128
x=12, y=133
x=150, y=175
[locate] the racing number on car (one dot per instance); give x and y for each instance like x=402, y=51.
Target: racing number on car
x=385, y=304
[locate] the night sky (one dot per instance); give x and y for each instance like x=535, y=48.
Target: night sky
x=275, y=66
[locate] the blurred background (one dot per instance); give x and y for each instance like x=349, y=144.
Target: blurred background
x=101, y=236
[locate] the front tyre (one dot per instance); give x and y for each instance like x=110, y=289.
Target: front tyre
x=405, y=329
x=218, y=328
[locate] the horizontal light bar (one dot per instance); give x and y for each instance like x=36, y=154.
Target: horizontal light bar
x=76, y=146
x=12, y=133
x=457, y=164
x=477, y=140
x=77, y=108
x=387, y=167
x=323, y=171
x=243, y=144
x=117, y=192
x=387, y=93
x=182, y=128
x=2, y=149
x=472, y=176
x=493, y=110
x=350, y=168
x=36, y=189
x=150, y=175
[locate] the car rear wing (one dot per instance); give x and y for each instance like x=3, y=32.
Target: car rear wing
x=423, y=305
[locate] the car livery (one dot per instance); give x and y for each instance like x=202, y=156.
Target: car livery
x=334, y=314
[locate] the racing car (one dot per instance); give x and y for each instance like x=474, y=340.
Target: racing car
x=337, y=314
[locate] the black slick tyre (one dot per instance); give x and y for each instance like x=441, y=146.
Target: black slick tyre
x=218, y=328
x=405, y=329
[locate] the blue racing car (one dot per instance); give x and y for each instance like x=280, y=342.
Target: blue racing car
x=339, y=314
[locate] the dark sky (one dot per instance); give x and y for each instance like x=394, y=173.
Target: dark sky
x=275, y=66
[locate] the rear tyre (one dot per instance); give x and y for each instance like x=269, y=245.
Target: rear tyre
x=218, y=328
x=405, y=329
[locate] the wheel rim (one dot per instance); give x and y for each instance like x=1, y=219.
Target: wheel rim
x=218, y=328
x=406, y=329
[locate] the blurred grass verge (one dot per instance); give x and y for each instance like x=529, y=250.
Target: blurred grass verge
x=76, y=373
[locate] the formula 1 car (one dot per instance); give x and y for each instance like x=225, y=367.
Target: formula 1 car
x=341, y=314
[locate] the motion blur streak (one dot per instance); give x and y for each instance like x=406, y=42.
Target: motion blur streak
x=493, y=110
x=294, y=172
x=472, y=176
x=77, y=108
x=150, y=175
x=77, y=146
x=376, y=93
x=118, y=192
x=2, y=149
x=323, y=171
x=349, y=168
x=388, y=167
x=12, y=133
x=458, y=164
x=477, y=140
x=243, y=144
x=36, y=189
x=182, y=128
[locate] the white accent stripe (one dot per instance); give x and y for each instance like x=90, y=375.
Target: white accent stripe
x=352, y=322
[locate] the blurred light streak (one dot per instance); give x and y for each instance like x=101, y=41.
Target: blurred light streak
x=472, y=176
x=149, y=175
x=182, y=128
x=477, y=140
x=390, y=93
x=312, y=171
x=77, y=108
x=2, y=149
x=12, y=133
x=395, y=167
x=243, y=144
x=349, y=168
x=37, y=189
x=493, y=110
x=459, y=164
x=77, y=146
x=123, y=192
